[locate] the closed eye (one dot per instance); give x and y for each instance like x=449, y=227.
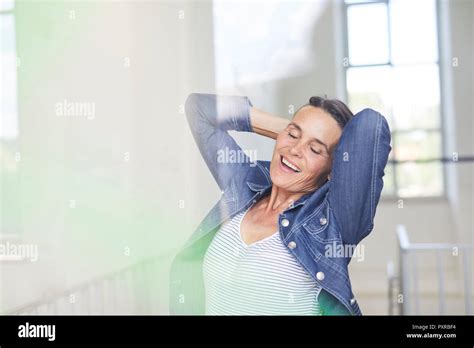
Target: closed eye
x=315, y=151
x=292, y=135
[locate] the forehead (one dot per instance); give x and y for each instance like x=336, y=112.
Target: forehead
x=317, y=123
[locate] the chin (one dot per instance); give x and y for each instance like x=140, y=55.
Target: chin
x=279, y=180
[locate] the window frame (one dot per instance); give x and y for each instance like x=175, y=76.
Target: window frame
x=440, y=130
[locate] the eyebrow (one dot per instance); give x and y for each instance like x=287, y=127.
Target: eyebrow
x=315, y=139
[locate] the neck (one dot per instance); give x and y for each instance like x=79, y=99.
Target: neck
x=280, y=199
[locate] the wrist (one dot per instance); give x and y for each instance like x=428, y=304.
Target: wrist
x=266, y=124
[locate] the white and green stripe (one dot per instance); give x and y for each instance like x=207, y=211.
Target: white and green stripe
x=258, y=279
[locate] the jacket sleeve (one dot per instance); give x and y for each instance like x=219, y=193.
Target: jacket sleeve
x=356, y=180
x=210, y=117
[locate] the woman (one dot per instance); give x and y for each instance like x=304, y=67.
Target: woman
x=273, y=242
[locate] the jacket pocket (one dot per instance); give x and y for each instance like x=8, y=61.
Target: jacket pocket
x=321, y=226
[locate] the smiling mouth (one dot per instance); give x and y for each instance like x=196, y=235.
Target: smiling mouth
x=288, y=165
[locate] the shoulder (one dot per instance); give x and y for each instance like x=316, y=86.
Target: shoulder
x=255, y=176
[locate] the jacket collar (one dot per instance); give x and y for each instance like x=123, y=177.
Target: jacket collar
x=256, y=187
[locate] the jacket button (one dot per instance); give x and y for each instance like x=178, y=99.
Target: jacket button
x=285, y=222
x=320, y=275
x=353, y=301
x=291, y=245
x=323, y=221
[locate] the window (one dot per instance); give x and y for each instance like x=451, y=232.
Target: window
x=277, y=42
x=8, y=65
x=392, y=66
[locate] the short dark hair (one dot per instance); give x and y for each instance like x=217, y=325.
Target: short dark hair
x=336, y=108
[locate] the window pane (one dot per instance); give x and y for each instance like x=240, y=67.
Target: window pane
x=417, y=145
x=413, y=31
x=416, y=98
x=419, y=179
x=368, y=34
x=8, y=90
x=6, y=5
x=388, y=181
x=277, y=43
x=368, y=88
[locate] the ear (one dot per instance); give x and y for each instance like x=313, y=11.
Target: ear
x=329, y=176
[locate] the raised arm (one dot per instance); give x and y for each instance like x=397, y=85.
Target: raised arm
x=356, y=179
x=210, y=117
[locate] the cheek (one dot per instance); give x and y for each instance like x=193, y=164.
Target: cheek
x=281, y=142
x=316, y=166
x=279, y=148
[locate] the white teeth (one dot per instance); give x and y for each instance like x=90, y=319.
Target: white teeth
x=295, y=168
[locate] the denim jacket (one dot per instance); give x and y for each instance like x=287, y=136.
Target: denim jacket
x=338, y=214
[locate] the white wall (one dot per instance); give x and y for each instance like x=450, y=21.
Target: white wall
x=98, y=194
x=138, y=203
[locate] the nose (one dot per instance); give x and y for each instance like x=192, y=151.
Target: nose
x=297, y=149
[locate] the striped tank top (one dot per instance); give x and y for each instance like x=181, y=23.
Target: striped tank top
x=262, y=278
